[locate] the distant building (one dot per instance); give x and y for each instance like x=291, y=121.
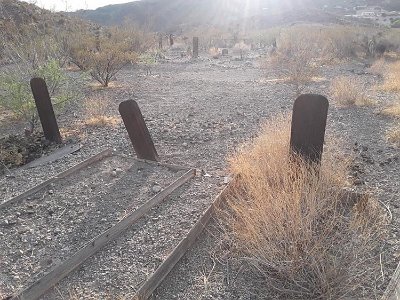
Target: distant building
x=375, y=14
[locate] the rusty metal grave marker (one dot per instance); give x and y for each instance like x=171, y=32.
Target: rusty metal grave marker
x=45, y=110
x=310, y=113
x=137, y=130
x=195, y=47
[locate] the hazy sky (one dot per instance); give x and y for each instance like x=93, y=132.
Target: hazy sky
x=72, y=5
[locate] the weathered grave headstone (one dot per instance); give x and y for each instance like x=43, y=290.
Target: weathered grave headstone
x=308, y=126
x=171, y=40
x=45, y=110
x=137, y=130
x=195, y=47
x=160, y=42
x=225, y=52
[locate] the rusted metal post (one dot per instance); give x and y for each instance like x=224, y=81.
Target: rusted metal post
x=195, y=47
x=160, y=41
x=137, y=130
x=310, y=113
x=45, y=110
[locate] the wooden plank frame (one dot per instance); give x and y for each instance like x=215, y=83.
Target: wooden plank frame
x=56, y=155
x=98, y=157
x=155, y=280
x=41, y=286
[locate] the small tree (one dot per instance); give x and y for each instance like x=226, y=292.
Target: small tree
x=242, y=49
x=106, y=63
x=104, y=55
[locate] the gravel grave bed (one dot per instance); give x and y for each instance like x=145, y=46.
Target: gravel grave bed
x=17, y=181
x=51, y=225
x=125, y=264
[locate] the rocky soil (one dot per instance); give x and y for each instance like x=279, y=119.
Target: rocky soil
x=198, y=113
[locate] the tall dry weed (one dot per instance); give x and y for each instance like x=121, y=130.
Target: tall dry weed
x=292, y=224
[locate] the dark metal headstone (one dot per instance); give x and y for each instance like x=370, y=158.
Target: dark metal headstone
x=310, y=113
x=45, y=110
x=137, y=130
x=160, y=42
x=195, y=47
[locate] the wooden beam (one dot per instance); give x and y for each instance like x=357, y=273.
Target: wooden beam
x=55, y=155
x=155, y=280
x=40, y=287
x=392, y=291
x=64, y=174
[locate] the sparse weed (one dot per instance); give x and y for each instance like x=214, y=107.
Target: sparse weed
x=96, y=110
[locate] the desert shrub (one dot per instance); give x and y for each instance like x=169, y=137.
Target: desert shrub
x=340, y=42
x=96, y=111
x=264, y=38
x=103, y=56
x=148, y=60
x=347, y=90
x=214, y=52
x=241, y=49
x=16, y=95
x=296, y=58
x=396, y=24
x=289, y=222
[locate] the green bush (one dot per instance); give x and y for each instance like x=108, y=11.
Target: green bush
x=396, y=24
x=16, y=95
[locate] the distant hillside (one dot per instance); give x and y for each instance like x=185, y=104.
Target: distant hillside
x=173, y=15
x=21, y=17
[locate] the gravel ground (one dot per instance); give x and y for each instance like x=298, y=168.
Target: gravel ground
x=198, y=113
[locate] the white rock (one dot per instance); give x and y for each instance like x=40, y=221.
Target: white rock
x=156, y=189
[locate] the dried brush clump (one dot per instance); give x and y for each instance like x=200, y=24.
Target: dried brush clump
x=347, y=91
x=392, y=110
x=392, y=77
x=293, y=225
x=96, y=111
x=393, y=134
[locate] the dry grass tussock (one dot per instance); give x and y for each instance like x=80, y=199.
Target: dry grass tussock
x=392, y=77
x=291, y=224
x=347, y=90
x=393, y=134
x=392, y=110
x=96, y=111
